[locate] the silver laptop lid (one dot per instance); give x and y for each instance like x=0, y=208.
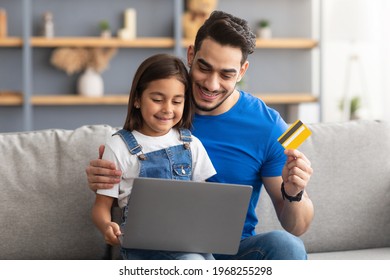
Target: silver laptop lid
x=185, y=216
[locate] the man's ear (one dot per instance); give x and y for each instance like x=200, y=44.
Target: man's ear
x=243, y=69
x=190, y=55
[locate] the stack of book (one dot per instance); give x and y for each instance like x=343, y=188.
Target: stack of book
x=3, y=23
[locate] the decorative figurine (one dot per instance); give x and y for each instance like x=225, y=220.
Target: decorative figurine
x=197, y=12
x=48, y=25
x=129, y=31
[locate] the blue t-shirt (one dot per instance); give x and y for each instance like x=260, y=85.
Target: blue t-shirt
x=242, y=145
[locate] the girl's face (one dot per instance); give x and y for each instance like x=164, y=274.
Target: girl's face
x=161, y=105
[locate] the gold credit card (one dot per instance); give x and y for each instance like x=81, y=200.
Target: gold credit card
x=294, y=136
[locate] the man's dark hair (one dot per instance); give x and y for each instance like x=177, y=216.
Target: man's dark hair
x=227, y=29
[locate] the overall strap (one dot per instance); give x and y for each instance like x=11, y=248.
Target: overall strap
x=185, y=136
x=131, y=143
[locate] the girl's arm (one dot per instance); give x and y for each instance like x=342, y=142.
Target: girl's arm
x=101, y=216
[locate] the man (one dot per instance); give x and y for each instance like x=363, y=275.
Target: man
x=240, y=135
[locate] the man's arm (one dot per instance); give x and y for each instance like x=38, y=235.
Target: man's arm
x=295, y=217
x=102, y=174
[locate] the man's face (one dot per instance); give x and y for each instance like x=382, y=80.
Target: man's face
x=215, y=70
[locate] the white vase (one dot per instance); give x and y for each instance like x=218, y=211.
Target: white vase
x=105, y=33
x=264, y=33
x=90, y=83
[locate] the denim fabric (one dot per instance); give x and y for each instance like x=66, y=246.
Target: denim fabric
x=273, y=245
x=170, y=163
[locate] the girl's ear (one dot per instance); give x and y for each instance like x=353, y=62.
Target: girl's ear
x=136, y=104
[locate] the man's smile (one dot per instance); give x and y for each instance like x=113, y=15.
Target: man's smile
x=207, y=94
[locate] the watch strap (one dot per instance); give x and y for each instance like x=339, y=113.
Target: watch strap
x=285, y=196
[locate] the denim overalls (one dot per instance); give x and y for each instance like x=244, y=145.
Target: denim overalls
x=171, y=163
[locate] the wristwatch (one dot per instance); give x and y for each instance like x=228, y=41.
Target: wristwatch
x=296, y=198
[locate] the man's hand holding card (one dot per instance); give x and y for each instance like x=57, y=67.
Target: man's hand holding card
x=297, y=170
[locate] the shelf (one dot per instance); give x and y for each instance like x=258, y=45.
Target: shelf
x=65, y=100
x=281, y=43
x=146, y=42
x=69, y=100
x=8, y=98
x=276, y=43
x=11, y=42
x=286, y=98
x=11, y=100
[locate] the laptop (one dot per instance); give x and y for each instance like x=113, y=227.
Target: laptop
x=185, y=216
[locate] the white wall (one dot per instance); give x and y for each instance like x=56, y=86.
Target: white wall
x=360, y=28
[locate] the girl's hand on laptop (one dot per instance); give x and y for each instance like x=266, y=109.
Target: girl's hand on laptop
x=111, y=236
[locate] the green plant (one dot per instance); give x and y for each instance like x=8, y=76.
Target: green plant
x=264, y=23
x=104, y=25
x=354, y=105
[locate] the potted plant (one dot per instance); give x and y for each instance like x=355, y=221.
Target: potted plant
x=105, y=30
x=355, y=105
x=264, y=29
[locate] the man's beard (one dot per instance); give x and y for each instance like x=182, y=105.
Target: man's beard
x=208, y=109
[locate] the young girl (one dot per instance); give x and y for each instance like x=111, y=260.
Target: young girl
x=158, y=120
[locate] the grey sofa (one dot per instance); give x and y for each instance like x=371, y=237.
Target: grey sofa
x=45, y=203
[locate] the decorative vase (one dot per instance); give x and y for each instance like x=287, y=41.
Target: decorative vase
x=90, y=83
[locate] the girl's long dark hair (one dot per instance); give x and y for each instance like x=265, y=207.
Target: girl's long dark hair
x=157, y=67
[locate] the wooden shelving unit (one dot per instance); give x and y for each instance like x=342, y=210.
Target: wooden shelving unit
x=33, y=48
x=151, y=42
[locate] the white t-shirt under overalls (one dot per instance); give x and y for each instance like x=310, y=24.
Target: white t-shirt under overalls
x=117, y=152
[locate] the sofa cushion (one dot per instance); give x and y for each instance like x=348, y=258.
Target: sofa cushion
x=366, y=254
x=350, y=187
x=45, y=203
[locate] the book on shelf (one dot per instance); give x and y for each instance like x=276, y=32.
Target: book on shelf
x=3, y=23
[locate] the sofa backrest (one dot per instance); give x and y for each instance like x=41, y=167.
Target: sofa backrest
x=350, y=187
x=45, y=203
